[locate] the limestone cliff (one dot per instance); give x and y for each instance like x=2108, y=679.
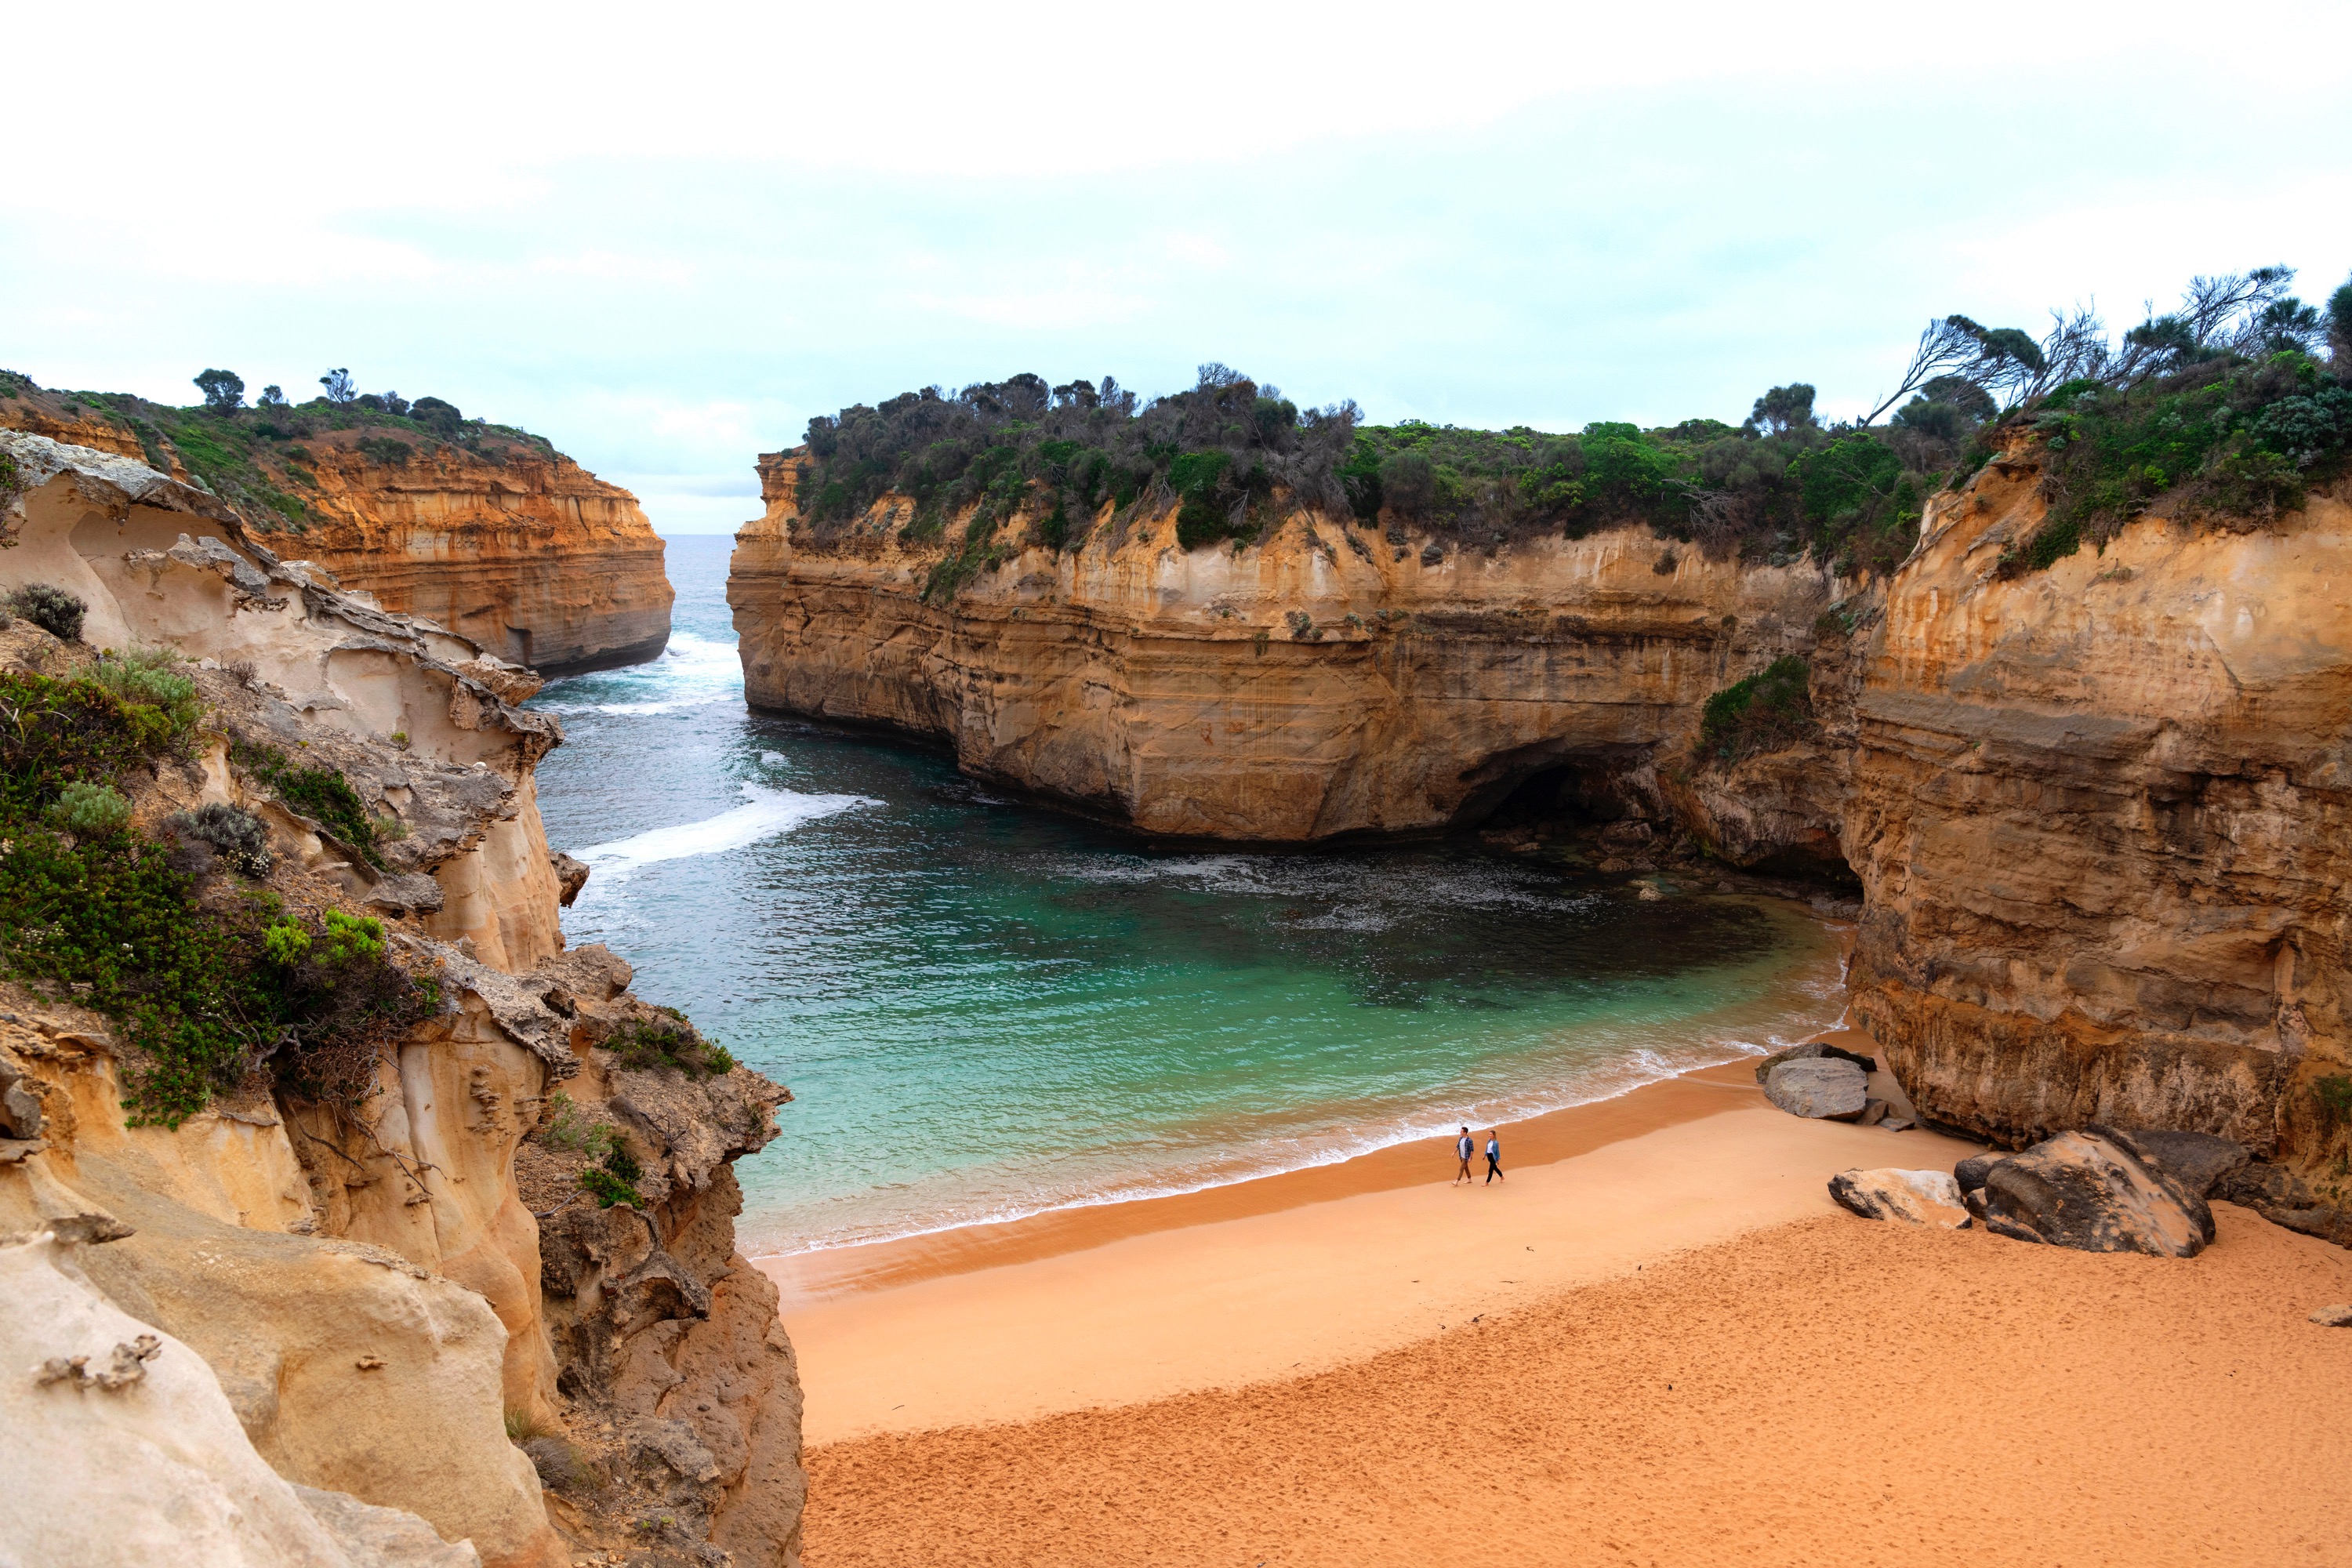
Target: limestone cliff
x=1330, y=681
x=346, y=1244
x=2099, y=812
x=2096, y=812
x=482, y=530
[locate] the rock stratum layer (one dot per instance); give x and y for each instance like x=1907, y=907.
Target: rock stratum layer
x=391, y=1327
x=2095, y=812
x=497, y=537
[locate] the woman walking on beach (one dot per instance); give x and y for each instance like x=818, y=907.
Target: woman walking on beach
x=1494, y=1154
x=1462, y=1147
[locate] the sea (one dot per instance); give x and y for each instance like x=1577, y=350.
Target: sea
x=986, y=1009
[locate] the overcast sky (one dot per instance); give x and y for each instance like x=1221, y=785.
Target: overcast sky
x=665, y=236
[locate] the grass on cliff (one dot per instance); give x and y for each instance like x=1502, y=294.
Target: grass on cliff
x=1768, y=711
x=2222, y=406
x=206, y=975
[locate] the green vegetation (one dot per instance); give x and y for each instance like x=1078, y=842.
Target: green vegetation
x=647, y=1046
x=615, y=1180
x=322, y=794
x=2220, y=437
x=1767, y=711
x=89, y=810
x=2218, y=407
x=52, y=610
x=208, y=983
x=150, y=677
x=237, y=837
x=570, y=1129
x=257, y=458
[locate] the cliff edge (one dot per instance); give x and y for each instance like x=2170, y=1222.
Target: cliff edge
x=484, y=530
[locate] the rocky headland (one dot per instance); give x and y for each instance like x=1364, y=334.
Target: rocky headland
x=349, y=1218
x=2083, y=777
x=480, y=527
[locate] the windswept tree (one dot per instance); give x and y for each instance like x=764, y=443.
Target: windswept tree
x=340, y=388
x=223, y=390
x=1783, y=409
x=272, y=397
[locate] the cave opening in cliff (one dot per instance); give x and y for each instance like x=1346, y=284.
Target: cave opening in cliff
x=1561, y=793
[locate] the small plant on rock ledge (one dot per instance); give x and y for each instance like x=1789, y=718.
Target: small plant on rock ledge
x=648, y=1047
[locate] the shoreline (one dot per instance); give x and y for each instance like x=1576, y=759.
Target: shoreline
x=829, y=1272
x=1289, y=1275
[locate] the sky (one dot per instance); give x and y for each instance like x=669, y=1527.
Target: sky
x=665, y=237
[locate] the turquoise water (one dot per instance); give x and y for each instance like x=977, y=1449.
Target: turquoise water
x=985, y=1009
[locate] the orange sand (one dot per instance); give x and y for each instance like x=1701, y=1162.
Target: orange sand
x=1835, y=1391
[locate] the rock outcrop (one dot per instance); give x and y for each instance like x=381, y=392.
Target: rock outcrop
x=1324, y=682
x=359, y=1267
x=484, y=530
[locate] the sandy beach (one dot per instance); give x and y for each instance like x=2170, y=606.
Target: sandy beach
x=1362, y=1365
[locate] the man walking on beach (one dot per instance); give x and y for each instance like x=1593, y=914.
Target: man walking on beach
x=1494, y=1154
x=1462, y=1146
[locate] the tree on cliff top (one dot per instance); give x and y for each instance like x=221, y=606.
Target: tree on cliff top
x=223, y=390
x=341, y=387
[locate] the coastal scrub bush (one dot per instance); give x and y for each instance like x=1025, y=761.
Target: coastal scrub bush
x=238, y=836
x=150, y=677
x=202, y=990
x=322, y=794
x=644, y=1046
x=1768, y=710
x=614, y=1179
x=571, y=1131
x=90, y=810
x=52, y=610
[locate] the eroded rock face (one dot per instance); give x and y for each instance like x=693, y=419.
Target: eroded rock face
x=2100, y=813
x=514, y=546
x=364, y=1276
x=1323, y=682
x=534, y=558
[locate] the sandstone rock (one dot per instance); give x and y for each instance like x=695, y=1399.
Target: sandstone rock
x=2338, y=1317
x=1921, y=1197
x=1971, y=1172
x=1874, y=1111
x=374, y=1537
x=1111, y=681
x=1812, y=1050
x=2090, y=1191
x=2195, y=1160
x=20, y=1102
x=155, y=1469
x=571, y=876
x=1898, y=1124
x=2050, y=798
x=1829, y=1090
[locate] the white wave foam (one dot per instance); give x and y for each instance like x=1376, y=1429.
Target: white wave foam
x=692, y=672
x=764, y=813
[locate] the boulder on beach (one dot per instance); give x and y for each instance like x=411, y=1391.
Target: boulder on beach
x=2094, y=1192
x=2195, y=1159
x=1825, y=1089
x=1812, y=1050
x=2338, y=1317
x=1971, y=1172
x=1921, y=1197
